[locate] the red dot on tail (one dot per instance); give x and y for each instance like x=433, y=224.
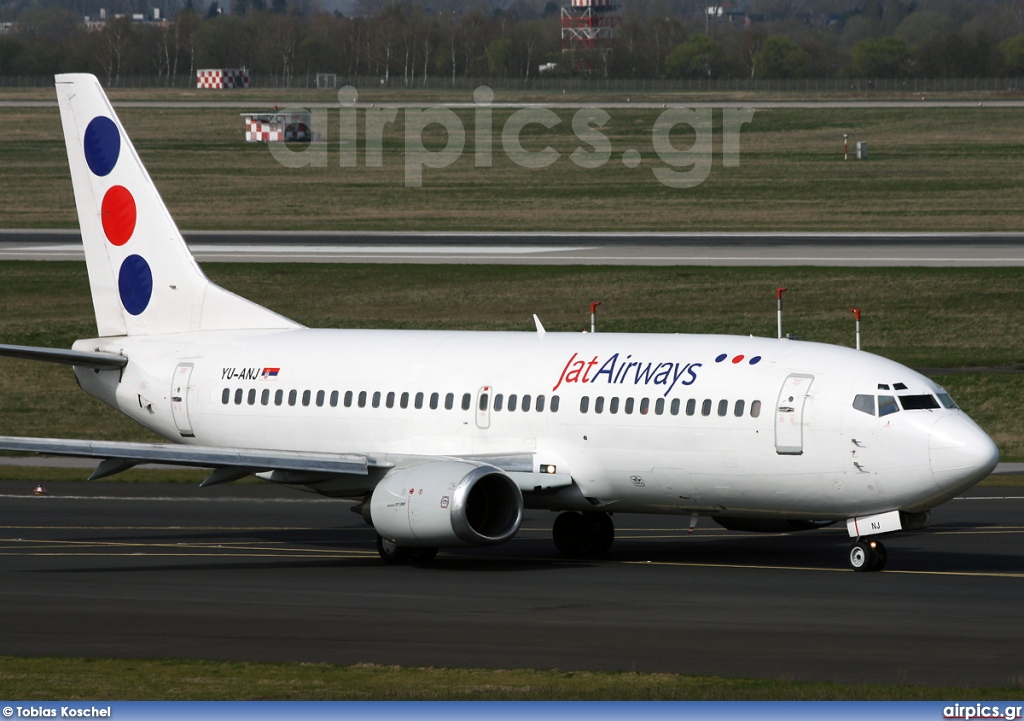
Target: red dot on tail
x=118, y=214
x=737, y=359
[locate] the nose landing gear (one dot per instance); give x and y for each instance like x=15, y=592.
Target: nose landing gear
x=867, y=556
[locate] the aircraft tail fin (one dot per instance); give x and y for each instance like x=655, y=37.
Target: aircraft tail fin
x=143, y=277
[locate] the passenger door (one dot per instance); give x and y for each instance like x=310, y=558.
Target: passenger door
x=789, y=414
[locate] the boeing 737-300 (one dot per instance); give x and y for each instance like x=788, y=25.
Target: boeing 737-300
x=440, y=439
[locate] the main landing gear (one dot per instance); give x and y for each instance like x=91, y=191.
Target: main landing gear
x=867, y=556
x=583, y=535
x=397, y=555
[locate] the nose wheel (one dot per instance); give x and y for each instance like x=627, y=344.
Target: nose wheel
x=583, y=535
x=867, y=556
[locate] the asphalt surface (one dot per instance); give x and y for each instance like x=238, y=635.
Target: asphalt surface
x=254, y=572
x=760, y=249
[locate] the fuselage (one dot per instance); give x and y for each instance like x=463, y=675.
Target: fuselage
x=727, y=425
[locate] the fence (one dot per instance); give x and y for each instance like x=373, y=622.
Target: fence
x=582, y=83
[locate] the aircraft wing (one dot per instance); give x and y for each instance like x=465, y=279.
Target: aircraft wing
x=228, y=464
x=100, y=361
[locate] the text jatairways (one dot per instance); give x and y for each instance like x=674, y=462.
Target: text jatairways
x=616, y=371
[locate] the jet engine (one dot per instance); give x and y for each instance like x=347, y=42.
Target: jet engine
x=446, y=503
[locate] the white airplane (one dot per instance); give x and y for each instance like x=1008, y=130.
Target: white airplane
x=442, y=438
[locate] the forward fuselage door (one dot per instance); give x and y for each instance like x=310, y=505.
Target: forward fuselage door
x=789, y=414
x=483, y=407
x=179, y=399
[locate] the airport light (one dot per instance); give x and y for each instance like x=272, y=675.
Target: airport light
x=593, y=316
x=856, y=316
x=846, y=146
x=778, y=297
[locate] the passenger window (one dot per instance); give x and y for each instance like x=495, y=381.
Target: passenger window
x=645, y=406
x=389, y=400
x=946, y=401
x=554, y=404
x=498, y=401
x=613, y=405
x=705, y=409
x=539, y=404
x=723, y=407
x=738, y=409
x=361, y=399
x=375, y=402
x=320, y=395
x=755, y=409
x=433, y=401
x=403, y=401
x=419, y=400
x=252, y=396
x=525, y=405
x=629, y=406
x=238, y=397
x=278, y=397
x=584, y=404
x=887, y=405
x=265, y=397
x=674, y=407
x=924, y=402
x=449, y=401
x=348, y=399
x=334, y=399
x=691, y=406
x=864, y=403
x=225, y=396
x=306, y=396
x=599, y=404
x=659, y=406
x=293, y=396
x=484, y=397
x=512, y=398
x=467, y=401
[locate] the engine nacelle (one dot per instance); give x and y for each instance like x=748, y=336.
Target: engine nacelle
x=447, y=503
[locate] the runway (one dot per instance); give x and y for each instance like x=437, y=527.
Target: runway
x=254, y=572
x=652, y=249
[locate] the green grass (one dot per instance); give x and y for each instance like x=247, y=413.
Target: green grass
x=41, y=679
x=929, y=170
x=930, y=318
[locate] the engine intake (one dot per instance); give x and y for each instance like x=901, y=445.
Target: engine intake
x=447, y=503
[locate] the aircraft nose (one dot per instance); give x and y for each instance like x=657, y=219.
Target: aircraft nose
x=961, y=454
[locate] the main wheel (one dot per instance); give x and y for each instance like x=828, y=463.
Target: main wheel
x=600, y=533
x=569, y=533
x=881, y=556
x=392, y=552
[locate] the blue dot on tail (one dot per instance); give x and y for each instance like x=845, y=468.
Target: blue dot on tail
x=721, y=358
x=102, y=145
x=135, y=284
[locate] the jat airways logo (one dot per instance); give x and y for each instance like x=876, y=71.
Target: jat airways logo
x=616, y=370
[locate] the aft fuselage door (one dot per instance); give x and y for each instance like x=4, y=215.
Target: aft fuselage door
x=179, y=399
x=483, y=407
x=789, y=414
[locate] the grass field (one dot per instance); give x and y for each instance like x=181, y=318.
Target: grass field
x=33, y=679
x=932, y=318
x=928, y=170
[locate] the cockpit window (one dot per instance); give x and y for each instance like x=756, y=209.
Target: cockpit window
x=946, y=401
x=865, y=404
x=887, y=405
x=883, y=386
x=899, y=387
x=922, y=402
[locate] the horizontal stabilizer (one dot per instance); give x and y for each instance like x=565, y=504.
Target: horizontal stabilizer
x=99, y=361
x=118, y=456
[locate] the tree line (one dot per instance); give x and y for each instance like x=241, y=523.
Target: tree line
x=410, y=43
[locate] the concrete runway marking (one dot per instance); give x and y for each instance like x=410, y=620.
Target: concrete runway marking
x=183, y=499
x=968, y=574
